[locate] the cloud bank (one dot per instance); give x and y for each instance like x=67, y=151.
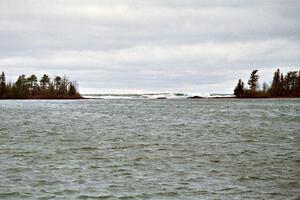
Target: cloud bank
x=122, y=46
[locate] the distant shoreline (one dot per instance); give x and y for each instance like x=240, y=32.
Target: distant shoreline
x=195, y=99
x=46, y=98
x=201, y=98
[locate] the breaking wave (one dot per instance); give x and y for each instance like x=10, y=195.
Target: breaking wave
x=154, y=96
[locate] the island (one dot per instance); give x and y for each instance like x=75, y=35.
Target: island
x=282, y=86
x=44, y=88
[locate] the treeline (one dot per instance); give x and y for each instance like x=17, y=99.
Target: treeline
x=287, y=85
x=33, y=88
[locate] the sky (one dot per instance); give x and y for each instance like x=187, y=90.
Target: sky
x=142, y=46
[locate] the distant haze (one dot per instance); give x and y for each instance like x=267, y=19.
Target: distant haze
x=128, y=46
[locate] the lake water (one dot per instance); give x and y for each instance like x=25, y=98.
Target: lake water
x=150, y=149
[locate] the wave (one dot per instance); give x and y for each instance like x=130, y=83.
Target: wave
x=154, y=96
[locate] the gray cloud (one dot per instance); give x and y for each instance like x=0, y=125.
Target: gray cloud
x=172, y=45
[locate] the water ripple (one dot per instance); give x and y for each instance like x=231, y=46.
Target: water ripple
x=150, y=149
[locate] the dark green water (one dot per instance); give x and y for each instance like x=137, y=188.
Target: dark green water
x=150, y=149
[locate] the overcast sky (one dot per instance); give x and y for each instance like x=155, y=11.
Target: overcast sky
x=130, y=46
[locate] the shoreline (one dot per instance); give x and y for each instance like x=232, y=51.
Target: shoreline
x=63, y=98
x=202, y=98
x=187, y=98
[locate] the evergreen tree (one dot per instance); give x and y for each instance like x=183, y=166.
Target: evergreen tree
x=32, y=81
x=57, y=82
x=290, y=81
x=32, y=84
x=239, y=89
x=281, y=89
x=2, y=84
x=45, y=81
x=21, y=87
x=72, y=89
x=298, y=85
x=253, y=80
x=275, y=87
x=63, y=88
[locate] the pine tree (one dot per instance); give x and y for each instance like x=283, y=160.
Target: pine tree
x=275, y=87
x=290, y=81
x=239, y=89
x=72, y=91
x=281, y=90
x=45, y=81
x=298, y=85
x=253, y=80
x=32, y=84
x=2, y=84
x=57, y=82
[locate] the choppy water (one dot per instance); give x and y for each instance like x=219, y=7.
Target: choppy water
x=150, y=149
